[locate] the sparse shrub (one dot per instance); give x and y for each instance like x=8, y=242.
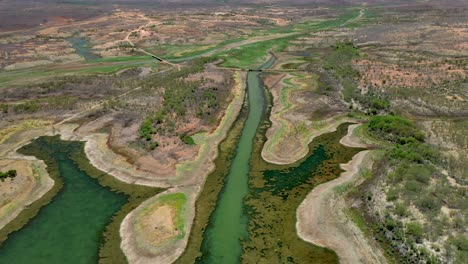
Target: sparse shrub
x=460, y=244
x=419, y=172
x=392, y=195
x=413, y=186
x=428, y=203
x=415, y=230
x=153, y=145
x=4, y=108
x=401, y=209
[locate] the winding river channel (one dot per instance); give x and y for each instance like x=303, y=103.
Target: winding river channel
x=69, y=228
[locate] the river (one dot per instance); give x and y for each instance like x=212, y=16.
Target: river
x=228, y=224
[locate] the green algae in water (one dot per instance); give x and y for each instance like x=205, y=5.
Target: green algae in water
x=276, y=191
x=67, y=230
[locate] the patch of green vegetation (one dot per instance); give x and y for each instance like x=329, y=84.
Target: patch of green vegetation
x=8, y=174
x=121, y=59
x=191, y=51
x=147, y=129
x=153, y=145
x=340, y=59
x=368, y=16
x=32, y=75
x=395, y=129
x=4, y=108
x=460, y=244
x=339, y=62
x=415, y=230
x=187, y=139
x=109, y=68
x=31, y=106
x=253, y=55
x=176, y=201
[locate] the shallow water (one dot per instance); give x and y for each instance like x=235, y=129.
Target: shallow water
x=67, y=230
x=82, y=48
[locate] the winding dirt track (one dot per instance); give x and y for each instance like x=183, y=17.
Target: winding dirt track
x=321, y=219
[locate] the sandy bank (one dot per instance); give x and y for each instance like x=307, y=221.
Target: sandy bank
x=321, y=217
x=293, y=120
x=32, y=181
x=275, y=153
x=30, y=184
x=351, y=140
x=140, y=251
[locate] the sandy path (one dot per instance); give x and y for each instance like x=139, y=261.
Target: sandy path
x=322, y=220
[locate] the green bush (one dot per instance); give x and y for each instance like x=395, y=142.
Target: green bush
x=153, y=145
x=187, y=139
x=395, y=129
x=392, y=195
x=4, y=108
x=460, y=242
x=413, y=186
x=415, y=229
x=419, y=172
x=379, y=103
x=429, y=203
x=8, y=174
x=401, y=209
x=147, y=129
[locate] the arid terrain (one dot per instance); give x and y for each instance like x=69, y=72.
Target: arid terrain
x=158, y=92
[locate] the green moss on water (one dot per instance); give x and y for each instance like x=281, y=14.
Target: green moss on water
x=82, y=214
x=276, y=192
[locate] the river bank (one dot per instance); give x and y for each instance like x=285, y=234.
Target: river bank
x=322, y=217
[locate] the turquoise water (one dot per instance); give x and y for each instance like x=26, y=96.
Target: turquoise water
x=228, y=224
x=67, y=230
